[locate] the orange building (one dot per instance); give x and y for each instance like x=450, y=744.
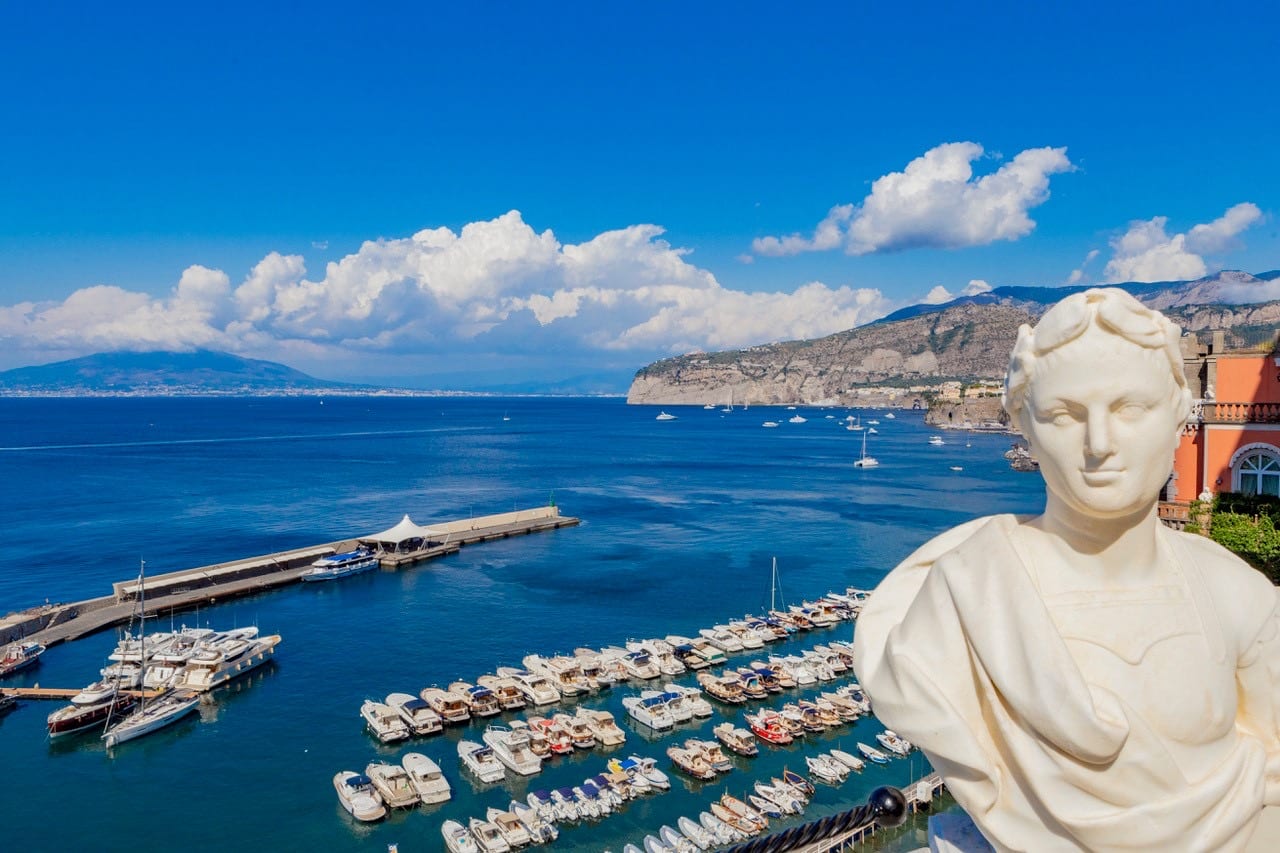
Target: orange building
x=1231, y=443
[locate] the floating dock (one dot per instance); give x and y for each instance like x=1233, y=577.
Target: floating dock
x=61, y=693
x=190, y=588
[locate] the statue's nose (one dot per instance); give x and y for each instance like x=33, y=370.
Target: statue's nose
x=1097, y=442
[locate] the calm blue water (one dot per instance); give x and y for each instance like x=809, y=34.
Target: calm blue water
x=680, y=522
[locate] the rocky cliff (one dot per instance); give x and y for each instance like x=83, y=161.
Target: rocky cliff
x=923, y=346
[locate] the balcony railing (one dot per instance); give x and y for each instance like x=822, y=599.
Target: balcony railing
x=1214, y=412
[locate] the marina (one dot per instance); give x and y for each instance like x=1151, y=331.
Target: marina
x=678, y=534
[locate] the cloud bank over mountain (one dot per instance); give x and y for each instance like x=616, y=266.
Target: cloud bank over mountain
x=935, y=202
x=1145, y=252
x=496, y=287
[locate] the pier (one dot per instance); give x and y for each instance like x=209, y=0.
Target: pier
x=191, y=588
x=63, y=694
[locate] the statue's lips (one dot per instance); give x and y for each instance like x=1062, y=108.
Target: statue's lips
x=1103, y=477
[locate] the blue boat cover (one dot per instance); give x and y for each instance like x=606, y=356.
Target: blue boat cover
x=415, y=704
x=567, y=793
x=359, y=781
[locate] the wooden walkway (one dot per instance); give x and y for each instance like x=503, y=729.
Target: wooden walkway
x=61, y=693
x=79, y=619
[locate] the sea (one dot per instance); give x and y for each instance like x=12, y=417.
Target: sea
x=682, y=521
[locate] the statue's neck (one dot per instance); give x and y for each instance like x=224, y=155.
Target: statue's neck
x=1108, y=550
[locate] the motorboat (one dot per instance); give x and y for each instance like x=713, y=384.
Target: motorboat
x=936, y=440
x=592, y=793
x=696, y=833
x=807, y=718
x=691, y=762
x=872, y=754
x=215, y=662
x=384, y=721
x=722, y=639
x=768, y=727
x=510, y=698
x=81, y=716
x=19, y=657
x=638, y=664
x=712, y=753
x=481, y=701
x=579, y=730
x=151, y=716
x=541, y=830
x=692, y=697
x=712, y=655
x=639, y=783
x=785, y=798
x=797, y=419
x=741, y=741
x=653, y=845
x=890, y=416
x=341, y=565
x=797, y=667
x=847, y=709
x=651, y=712
x=770, y=424
x=481, y=761
x=358, y=796
x=721, y=831
x=426, y=778
x=750, y=682
x=158, y=675
x=753, y=680
x=676, y=707
x=744, y=811
x=544, y=806
x=557, y=738
x=488, y=837
x=825, y=714
x=567, y=802
x=764, y=806
x=563, y=672
x=454, y=710
x=515, y=833
x=536, y=688
x=892, y=742
x=745, y=636
x=603, y=726
x=589, y=806
x=648, y=768
x=663, y=416
x=677, y=842
x=392, y=782
x=457, y=838
x=593, y=670
x=661, y=654
x=827, y=768
x=853, y=762
x=416, y=713
x=723, y=689
x=614, y=787
x=511, y=746
x=795, y=780
x=771, y=674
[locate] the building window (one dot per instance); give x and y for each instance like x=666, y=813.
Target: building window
x=1259, y=474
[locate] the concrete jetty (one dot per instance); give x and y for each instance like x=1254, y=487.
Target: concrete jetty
x=184, y=590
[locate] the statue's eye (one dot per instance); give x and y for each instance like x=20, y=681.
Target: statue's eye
x=1061, y=418
x=1131, y=411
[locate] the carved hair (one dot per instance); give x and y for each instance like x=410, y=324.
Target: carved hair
x=1112, y=310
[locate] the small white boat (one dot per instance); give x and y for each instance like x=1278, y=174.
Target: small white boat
x=827, y=769
x=892, y=742
x=675, y=841
x=535, y=687
x=488, y=837
x=426, y=778
x=663, y=416
x=341, y=565
x=457, y=838
x=696, y=833
x=384, y=721
x=890, y=416
x=19, y=657
x=511, y=746
x=873, y=754
x=416, y=713
x=936, y=440
x=767, y=425
x=853, y=762
x=357, y=795
x=481, y=761
x=653, y=845
x=652, y=712
x=692, y=697
x=541, y=830
x=722, y=639
x=797, y=419
x=721, y=831
x=453, y=708
x=515, y=833
x=648, y=768
x=393, y=784
x=956, y=468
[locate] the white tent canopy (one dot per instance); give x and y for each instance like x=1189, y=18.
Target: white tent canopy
x=403, y=532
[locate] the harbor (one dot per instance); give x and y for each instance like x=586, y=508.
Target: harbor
x=191, y=588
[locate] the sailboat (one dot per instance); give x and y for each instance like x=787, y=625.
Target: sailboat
x=168, y=708
x=729, y=406
x=865, y=461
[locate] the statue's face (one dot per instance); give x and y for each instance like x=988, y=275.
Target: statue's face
x=1102, y=416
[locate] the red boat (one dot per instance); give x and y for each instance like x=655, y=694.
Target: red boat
x=768, y=728
x=20, y=656
x=77, y=718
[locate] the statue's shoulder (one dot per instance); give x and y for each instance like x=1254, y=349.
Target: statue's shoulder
x=1241, y=593
x=962, y=537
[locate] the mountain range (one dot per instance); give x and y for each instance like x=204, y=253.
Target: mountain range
x=966, y=339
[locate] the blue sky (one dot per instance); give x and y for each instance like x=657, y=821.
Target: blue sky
x=180, y=177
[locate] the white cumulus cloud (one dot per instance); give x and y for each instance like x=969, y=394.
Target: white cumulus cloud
x=935, y=202
x=496, y=287
x=1147, y=252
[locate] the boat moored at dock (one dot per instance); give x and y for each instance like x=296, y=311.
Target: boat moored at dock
x=341, y=565
x=152, y=716
x=19, y=657
x=358, y=796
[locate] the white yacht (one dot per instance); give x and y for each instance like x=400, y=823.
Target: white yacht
x=695, y=649
x=722, y=639
x=692, y=697
x=505, y=688
x=512, y=748
x=651, y=712
x=509, y=826
x=637, y=664
x=674, y=704
x=152, y=715
x=480, y=760
x=358, y=796
x=536, y=688
x=564, y=672
x=457, y=838
x=426, y=778
x=392, y=782
x=746, y=636
x=797, y=419
x=384, y=721
x=603, y=726
x=936, y=440
x=452, y=708
x=481, y=700
x=416, y=713
x=663, y=416
x=487, y=836
x=341, y=565
x=661, y=653
x=217, y=662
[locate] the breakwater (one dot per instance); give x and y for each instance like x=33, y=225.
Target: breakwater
x=51, y=624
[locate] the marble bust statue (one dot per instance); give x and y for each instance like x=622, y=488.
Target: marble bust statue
x=1087, y=678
